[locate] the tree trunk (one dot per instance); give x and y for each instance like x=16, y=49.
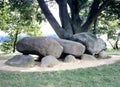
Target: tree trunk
x=116, y=44
x=73, y=25
x=111, y=44
x=59, y=30
x=64, y=16
x=76, y=21
x=15, y=40
x=94, y=28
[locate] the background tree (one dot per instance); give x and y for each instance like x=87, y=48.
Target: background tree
x=109, y=22
x=16, y=17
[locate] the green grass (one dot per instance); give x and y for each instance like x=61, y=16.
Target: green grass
x=102, y=76
x=7, y=55
x=113, y=52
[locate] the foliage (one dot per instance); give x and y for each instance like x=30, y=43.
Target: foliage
x=112, y=28
x=6, y=47
x=102, y=76
x=16, y=17
x=108, y=23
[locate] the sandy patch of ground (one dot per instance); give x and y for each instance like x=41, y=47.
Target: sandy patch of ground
x=61, y=65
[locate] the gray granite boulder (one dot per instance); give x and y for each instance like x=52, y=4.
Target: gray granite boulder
x=103, y=55
x=49, y=61
x=70, y=58
x=21, y=61
x=87, y=57
x=71, y=47
x=39, y=46
x=93, y=44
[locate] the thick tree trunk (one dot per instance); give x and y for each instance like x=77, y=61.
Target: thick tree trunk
x=94, y=28
x=75, y=17
x=95, y=11
x=59, y=30
x=64, y=16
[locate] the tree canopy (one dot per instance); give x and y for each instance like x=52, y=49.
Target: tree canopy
x=19, y=16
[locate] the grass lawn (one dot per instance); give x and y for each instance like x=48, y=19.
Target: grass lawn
x=113, y=52
x=102, y=76
x=7, y=55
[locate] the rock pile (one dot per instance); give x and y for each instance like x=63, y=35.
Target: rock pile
x=52, y=49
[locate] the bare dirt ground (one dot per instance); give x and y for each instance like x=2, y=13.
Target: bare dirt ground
x=61, y=65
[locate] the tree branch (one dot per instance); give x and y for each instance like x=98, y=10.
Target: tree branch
x=60, y=31
x=103, y=5
x=95, y=11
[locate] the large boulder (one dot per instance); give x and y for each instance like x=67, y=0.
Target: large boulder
x=21, y=61
x=93, y=44
x=49, y=61
x=39, y=46
x=71, y=47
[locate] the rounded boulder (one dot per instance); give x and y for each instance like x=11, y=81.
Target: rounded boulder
x=39, y=46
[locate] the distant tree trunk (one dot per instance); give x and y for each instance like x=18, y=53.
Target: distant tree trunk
x=111, y=44
x=116, y=44
x=15, y=40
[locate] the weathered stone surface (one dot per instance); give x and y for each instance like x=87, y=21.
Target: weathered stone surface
x=71, y=47
x=103, y=55
x=49, y=61
x=70, y=58
x=93, y=44
x=39, y=46
x=21, y=61
x=87, y=57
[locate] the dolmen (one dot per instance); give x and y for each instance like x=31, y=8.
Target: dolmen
x=50, y=50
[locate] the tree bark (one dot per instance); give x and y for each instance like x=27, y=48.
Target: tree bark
x=75, y=17
x=64, y=16
x=94, y=28
x=58, y=29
